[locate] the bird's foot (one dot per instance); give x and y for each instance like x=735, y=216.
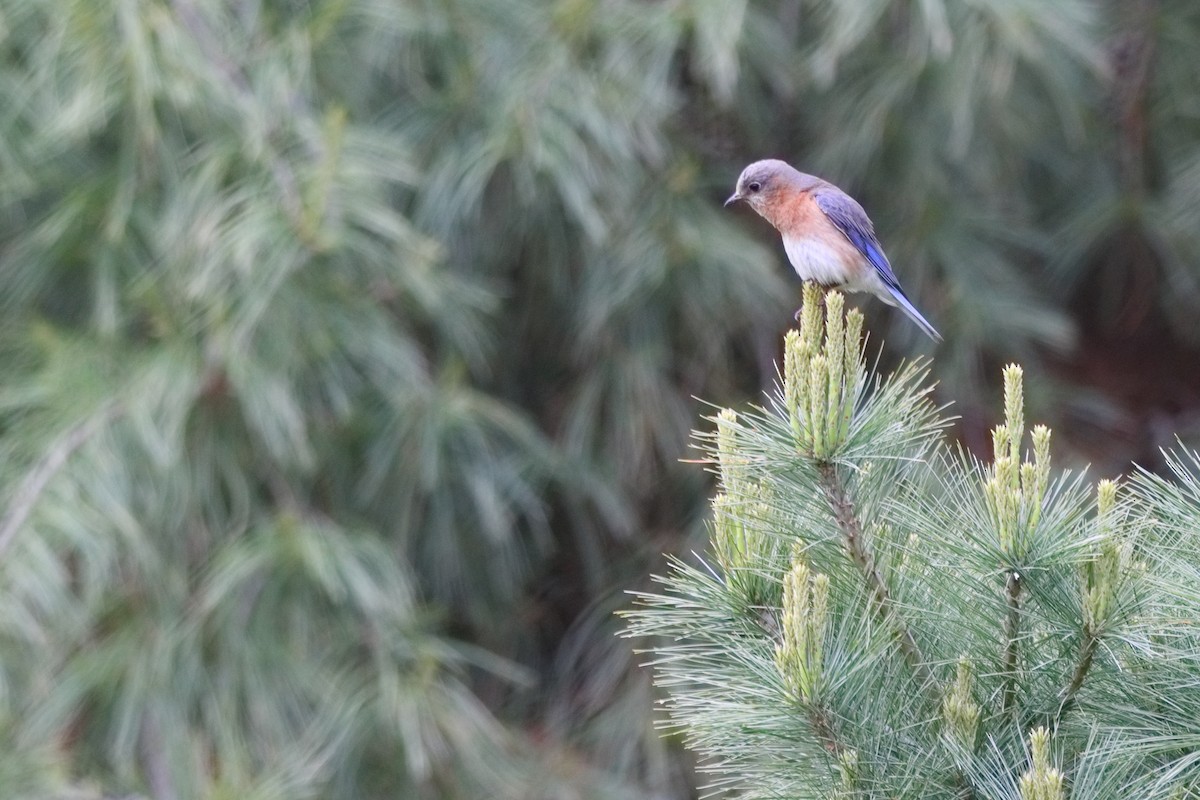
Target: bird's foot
x=824, y=288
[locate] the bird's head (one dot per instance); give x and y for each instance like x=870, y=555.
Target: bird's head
x=760, y=182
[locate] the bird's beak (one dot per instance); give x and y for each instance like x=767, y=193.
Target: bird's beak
x=733, y=198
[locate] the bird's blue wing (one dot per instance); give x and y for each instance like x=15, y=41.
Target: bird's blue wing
x=849, y=217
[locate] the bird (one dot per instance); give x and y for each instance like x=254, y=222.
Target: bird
x=828, y=237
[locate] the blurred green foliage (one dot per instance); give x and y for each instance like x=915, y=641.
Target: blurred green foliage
x=349, y=347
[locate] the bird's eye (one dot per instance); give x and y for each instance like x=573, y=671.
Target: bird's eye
x=754, y=186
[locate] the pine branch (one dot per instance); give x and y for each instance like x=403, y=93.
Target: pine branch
x=26, y=497
x=1012, y=629
x=1069, y=694
x=236, y=79
x=1109, y=566
x=156, y=765
x=847, y=521
x=822, y=725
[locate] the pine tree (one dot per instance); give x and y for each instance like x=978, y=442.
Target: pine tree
x=880, y=615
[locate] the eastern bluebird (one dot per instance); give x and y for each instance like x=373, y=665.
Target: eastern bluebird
x=826, y=234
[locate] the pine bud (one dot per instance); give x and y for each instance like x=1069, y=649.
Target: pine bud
x=854, y=327
x=731, y=463
x=789, y=654
x=800, y=656
x=959, y=711
x=852, y=369
x=810, y=318
x=1029, y=481
x=1041, y=452
x=835, y=361
x=1103, y=574
x=816, y=624
x=848, y=767
x=795, y=381
x=798, y=548
x=1106, y=498
x=1006, y=475
x=1000, y=445
x=730, y=541
x=1004, y=500
x=818, y=380
x=1041, y=781
x=1014, y=410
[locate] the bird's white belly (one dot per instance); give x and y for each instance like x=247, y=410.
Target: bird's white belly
x=814, y=260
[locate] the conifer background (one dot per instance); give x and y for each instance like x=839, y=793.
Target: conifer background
x=349, y=349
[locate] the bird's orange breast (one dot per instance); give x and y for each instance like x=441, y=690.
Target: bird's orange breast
x=798, y=214
x=815, y=247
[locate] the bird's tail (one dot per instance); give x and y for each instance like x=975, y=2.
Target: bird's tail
x=911, y=310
